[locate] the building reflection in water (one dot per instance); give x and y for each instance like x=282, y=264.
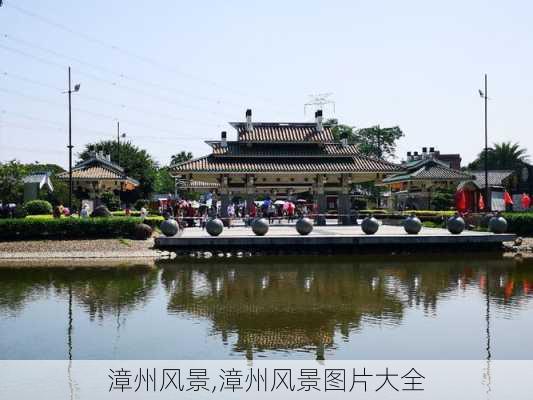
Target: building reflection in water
x=274, y=304
x=287, y=305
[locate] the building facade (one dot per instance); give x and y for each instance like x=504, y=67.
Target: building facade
x=282, y=161
x=97, y=175
x=422, y=176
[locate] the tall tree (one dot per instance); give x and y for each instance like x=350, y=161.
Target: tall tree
x=180, y=157
x=373, y=141
x=137, y=163
x=504, y=155
x=12, y=185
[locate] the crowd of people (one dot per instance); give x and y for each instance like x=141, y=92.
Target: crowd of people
x=193, y=213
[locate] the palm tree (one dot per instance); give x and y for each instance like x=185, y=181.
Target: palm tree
x=504, y=155
x=180, y=157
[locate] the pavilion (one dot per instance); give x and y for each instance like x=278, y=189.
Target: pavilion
x=422, y=176
x=282, y=161
x=98, y=175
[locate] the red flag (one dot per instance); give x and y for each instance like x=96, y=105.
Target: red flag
x=507, y=198
x=460, y=200
x=526, y=201
x=481, y=202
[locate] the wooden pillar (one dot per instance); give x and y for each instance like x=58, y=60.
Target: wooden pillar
x=224, y=197
x=343, y=201
x=320, y=199
x=250, y=192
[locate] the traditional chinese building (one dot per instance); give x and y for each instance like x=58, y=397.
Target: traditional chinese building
x=282, y=160
x=98, y=175
x=422, y=175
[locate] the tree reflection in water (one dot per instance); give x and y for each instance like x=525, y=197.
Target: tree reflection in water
x=277, y=304
x=274, y=304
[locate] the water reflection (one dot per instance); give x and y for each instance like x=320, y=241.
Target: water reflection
x=255, y=307
x=97, y=290
x=300, y=305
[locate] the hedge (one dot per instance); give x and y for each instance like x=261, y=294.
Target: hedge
x=37, y=207
x=520, y=223
x=72, y=228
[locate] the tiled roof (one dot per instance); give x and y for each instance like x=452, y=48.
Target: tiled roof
x=496, y=178
x=282, y=132
x=96, y=169
x=212, y=164
x=429, y=170
x=239, y=149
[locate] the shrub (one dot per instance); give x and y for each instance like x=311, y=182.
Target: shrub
x=142, y=231
x=36, y=207
x=141, y=203
x=72, y=228
x=520, y=223
x=110, y=200
x=443, y=199
x=20, y=212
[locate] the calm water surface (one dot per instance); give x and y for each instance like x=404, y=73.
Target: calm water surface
x=420, y=307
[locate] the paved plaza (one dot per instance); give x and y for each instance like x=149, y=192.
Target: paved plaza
x=287, y=230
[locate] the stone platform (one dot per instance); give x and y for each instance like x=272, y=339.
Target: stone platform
x=332, y=238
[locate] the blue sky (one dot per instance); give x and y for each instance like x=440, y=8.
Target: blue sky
x=174, y=72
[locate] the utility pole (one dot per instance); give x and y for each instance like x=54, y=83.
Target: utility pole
x=487, y=190
x=118, y=142
x=70, y=91
x=69, y=143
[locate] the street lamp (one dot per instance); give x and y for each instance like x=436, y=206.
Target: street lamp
x=70, y=91
x=483, y=95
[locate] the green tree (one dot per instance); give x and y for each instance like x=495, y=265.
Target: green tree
x=180, y=157
x=137, y=164
x=505, y=155
x=164, y=182
x=373, y=141
x=443, y=200
x=11, y=185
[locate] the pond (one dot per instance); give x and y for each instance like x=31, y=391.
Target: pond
x=403, y=307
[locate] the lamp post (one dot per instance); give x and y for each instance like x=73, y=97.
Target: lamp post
x=483, y=95
x=70, y=91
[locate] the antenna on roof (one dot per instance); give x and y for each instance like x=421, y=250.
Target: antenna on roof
x=318, y=101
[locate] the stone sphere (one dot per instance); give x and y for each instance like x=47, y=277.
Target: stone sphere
x=484, y=222
x=498, y=224
x=304, y=226
x=214, y=227
x=412, y=225
x=260, y=226
x=142, y=232
x=101, y=211
x=169, y=227
x=370, y=225
x=455, y=224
